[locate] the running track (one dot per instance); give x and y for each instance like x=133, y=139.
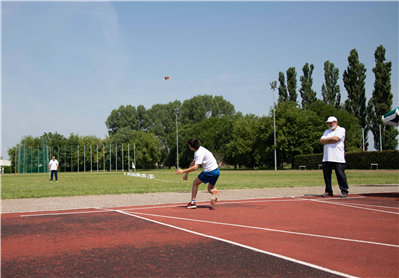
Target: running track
x=276, y=237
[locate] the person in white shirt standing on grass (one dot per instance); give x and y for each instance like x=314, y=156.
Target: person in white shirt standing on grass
x=334, y=157
x=210, y=174
x=53, y=167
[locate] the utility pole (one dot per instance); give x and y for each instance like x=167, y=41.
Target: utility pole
x=273, y=84
x=177, y=140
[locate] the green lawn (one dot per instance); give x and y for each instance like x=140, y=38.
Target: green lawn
x=78, y=184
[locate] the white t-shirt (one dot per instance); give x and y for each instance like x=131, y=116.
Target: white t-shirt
x=53, y=164
x=206, y=158
x=335, y=152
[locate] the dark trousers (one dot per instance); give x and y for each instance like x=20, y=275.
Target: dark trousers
x=54, y=172
x=339, y=172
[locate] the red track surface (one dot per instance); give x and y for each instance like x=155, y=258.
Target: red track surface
x=286, y=237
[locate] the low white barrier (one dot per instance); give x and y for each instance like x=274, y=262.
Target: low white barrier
x=150, y=176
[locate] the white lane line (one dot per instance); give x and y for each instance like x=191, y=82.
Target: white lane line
x=205, y=202
x=341, y=204
x=166, y=181
x=268, y=229
x=243, y=246
x=67, y=213
x=151, y=207
x=367, y=205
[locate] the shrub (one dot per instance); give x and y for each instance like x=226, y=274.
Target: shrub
x=7, y=169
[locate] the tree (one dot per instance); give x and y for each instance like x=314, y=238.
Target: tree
x=291, y=84
x=126, y=116
x=213, y=133
x=243, y=144
x=147, y=148
x=264, y=151
x=354, y=81
x=330, y=89
x=381, y=103
x=161, y=119
x=201, y=107
x=295, y=130
x=307, y=94
x=282, y=89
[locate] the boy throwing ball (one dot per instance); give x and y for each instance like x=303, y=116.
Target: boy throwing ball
x=209, y=175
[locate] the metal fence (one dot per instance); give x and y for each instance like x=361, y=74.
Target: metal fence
x=76, y=158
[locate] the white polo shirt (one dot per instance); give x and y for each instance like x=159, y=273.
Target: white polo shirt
x=206, y=158
x=53, y=164
x=335, y=152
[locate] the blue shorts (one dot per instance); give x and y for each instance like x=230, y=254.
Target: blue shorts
x=211, y=177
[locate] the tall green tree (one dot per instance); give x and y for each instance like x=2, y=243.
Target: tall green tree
x=126, y=116
x=292, y=84
x=354, y=81
x=330, y=89
x=213, y=133
x=295, y=131
x=242, y=149
x=147, y=147
x=201, y=107
x=307, y=94
x=160, y=119
x=381, y=103
x=282, y=88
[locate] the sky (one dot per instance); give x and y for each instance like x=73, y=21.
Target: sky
x=66, y=65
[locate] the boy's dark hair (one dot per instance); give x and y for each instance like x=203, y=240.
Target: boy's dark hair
x=194, y=143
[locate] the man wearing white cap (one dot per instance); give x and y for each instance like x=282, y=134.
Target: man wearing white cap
x=334, y=157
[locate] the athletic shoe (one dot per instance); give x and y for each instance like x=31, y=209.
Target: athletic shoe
x=327, y=194
x=191, y=206
x=214, y=197
x=344, y=195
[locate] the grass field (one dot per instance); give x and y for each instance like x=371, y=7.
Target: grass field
x=78, y=184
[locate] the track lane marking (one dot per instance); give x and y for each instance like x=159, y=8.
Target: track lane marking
x=367, y=205
x=206, y=202
x=268, y=229
x=341, y=204
x=242, y=245
x=67, y=213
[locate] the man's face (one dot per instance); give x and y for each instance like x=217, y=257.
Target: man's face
x=332, y=125
x=53, y=157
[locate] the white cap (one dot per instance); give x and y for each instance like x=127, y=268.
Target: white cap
x=331, y=119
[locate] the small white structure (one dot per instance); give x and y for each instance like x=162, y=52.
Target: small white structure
x=143, y=175
x=138, y=175
x=150, y=176
x=5, y=162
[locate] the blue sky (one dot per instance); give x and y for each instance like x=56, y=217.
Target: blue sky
x=67, y=65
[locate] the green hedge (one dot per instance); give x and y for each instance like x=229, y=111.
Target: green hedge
x=354, y=160
x=7, y=169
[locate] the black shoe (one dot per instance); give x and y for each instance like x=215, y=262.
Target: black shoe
x=191, y=206
x=344, y=195
x=327, y=194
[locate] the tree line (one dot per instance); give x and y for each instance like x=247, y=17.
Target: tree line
x=354, y=79
x=248, y=140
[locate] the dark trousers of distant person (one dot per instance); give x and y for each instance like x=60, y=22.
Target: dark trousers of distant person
x=54, y=172
x=340, y=173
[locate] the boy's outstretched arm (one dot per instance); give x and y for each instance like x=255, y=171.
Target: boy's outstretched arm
x=191, y=168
